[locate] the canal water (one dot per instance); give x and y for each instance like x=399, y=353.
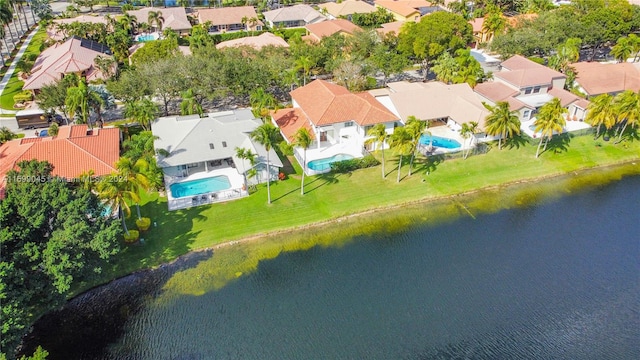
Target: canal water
x=556, y=279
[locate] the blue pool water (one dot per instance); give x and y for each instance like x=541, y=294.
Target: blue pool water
x=148, y=37
x=325, y=164
x=439, y=142
x=200, y=186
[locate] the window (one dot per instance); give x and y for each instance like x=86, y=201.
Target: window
x=348, y=124
x=323, y=136
x=224, y=144
x=211, y=146
x=536, y=89
x=526, y=114
x=527, y=90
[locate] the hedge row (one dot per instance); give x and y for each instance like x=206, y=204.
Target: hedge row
x=346, y=166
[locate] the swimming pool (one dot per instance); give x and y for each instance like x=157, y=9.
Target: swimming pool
x=200, y=186
x=325, y=164
x=439, y=142
x=146, y=37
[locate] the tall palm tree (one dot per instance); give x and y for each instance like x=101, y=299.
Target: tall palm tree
x=445, y=68
x=261, y=101
x=117, y=194
x=77, y=101
x=6, y=17
x=628, y=109
x=129, y=23
x=415, y=128
x=143, y=111
x=379, y=136
x=467, y=132
x=622, y=49
x=246, y=154
x=494, y=22
x=266, y=135
x=601, y=112
x=401, y=142
x=305, y=64
x=155, y=19
x=134, y=176
x=501, y=121
x=303, y=139
x=550, y=119
x=189, y=104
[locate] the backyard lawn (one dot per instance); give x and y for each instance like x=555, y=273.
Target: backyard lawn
x=331, y=196
x=14, y=86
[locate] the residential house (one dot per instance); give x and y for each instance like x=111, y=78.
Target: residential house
x=174, y=18
x=74, y=151
x=256, y=42
x=75, y=55
x=230, y=19
x=293, y=16
x=337, y=119
x=204, y=150
x=315, y=32
x=407, y=10
x=346, y=9
x=594, y=78
x=55, y=32
x=480, y=35
x=392, y=27
x=526, y=86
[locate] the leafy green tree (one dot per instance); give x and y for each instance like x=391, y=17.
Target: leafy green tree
x=53, y=236
x=627, y=105
x=550, y=119
x=266, y=135
x=200, y=38
x=416, y=129
x=303, y=139
x=142, y=111
x=165, y=80
x=54, y=96
x=373, y=19
x=378, y=136
x=131, y=86
x=42, y=9
x=501, y=121
x=153, y=51
x=433, y=35
x=601, y=112
x=401, y=142
x=388, y=60
x=623, y=49
x=6, y=134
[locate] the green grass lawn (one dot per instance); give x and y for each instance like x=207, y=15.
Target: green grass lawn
x=331, y=196
x=14, y=86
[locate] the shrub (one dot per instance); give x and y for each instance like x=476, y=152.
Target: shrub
x=354, y=164
x=143, y=223
x=26, y=95
x=133, y=236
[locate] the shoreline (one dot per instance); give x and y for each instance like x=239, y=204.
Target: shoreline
x=360, y=214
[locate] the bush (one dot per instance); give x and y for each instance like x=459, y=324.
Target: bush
x=143, y=223
x=354, y=164
x=26, y=95
x=133, y=236
x=218, y=38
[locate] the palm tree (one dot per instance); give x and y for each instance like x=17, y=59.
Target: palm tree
x=143, y=111
x=601, y=112
x=189, y=104
x=6, y=17
x=445, y=68
x=401, y=142
x=245, y=154
x=155, y=19
x=305, y=64
x=415, y=128
x=502, y=121
x=628, y=109
x=133, y=174
x=87, y=180
x=252, y=23
x=266, y=135
x=244, y=22
x=117, y=194
x=494, y=22
x=550, y=119
x=622, y=49
x=467, y=132
x=303, y=139
x=78, y=101
x=261, y=101
x=379, y=136
x=129, y=23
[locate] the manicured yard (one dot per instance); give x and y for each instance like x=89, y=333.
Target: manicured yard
x=14, y=86
x=334, y=195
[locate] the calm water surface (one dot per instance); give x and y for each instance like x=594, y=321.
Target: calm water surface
x=560, y=280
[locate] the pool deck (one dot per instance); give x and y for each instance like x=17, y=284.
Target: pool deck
x=236, y=191
x=327, y=152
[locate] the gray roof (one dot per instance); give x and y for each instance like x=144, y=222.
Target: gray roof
x=294, y=13
x=191, y=139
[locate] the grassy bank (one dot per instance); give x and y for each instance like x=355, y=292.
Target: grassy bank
x=14, y=86
x=333, y=196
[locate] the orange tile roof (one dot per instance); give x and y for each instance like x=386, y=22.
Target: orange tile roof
x=597, y=78
x=325, y=103
x=495, y=91
x=392, y=27
x=566, y=98
x=330, y=27
x=71, y=153
x=290, y=120
x=477, y=24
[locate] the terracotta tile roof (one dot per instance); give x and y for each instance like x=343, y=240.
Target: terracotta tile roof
x=325, y=103
x=392, y=27
x=226, y=15
x=71, y=153
x=257, y=42
x=477, y=24
x=403, y=8
x=174, y=17
x=347, y=7
x=294, y=13
x=566, y=98
x=495, y=91
x=522, y=72
x=74, y=55
x=597, y=78
x=330, y=27
x=290, y=120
